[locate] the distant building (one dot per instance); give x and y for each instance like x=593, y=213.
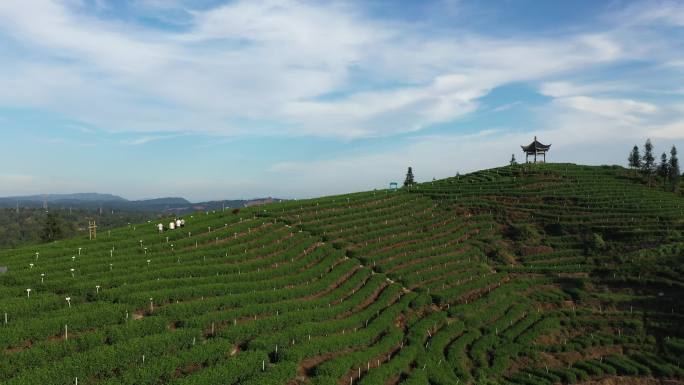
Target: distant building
x=535, y=148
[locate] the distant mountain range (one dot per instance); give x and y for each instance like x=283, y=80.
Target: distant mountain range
x=96, y=201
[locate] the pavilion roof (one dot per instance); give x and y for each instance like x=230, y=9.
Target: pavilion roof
x=536, y=146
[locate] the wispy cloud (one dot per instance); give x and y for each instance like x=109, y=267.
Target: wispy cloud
x=659, y=12
x=612, y=108
x=143, y=140
x=506, y=106
x=15, y=179
x=558, y=89
x=271, y=60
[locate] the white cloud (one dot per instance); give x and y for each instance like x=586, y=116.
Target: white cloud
x=588, y=108
x=659, y=12
x=142, y=140
x=565, y=88
x=15, y=179
x=673, y=130
x=506, y=106
x=268, y=60
x=675, y=63
x=481, y=63
x=51, y=25
x=619, y=109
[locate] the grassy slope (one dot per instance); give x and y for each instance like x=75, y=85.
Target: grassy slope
x=526, y=274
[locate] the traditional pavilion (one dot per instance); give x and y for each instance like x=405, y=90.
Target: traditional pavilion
x=535, y=148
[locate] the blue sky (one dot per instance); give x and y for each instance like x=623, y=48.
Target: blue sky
x=215, y=99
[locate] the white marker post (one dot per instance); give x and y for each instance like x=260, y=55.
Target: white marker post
x=68, y=299
x=28, y=293
x=42, y=277
x=97, y=289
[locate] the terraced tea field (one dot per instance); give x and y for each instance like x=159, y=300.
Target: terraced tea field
x=537, y=274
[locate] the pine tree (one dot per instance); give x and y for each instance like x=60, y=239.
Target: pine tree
x=648, y=161
x=409, y=178
x=675, y=173
x=663, y=169
x=635, y=158
x=52, y=230
x=513, y=161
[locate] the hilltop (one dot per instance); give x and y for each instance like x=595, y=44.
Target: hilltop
x=525, y=274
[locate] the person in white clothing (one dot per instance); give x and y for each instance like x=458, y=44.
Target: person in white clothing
x=172, y=225
x=178, y=223
x=160, y=227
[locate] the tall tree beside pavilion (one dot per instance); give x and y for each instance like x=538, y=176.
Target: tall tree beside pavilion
x=409, y=178
x=635, y=158
x=675, y=172
x=648, y=161
x=663, y=169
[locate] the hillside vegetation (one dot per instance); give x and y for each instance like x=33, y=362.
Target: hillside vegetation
x=527, y=274
x=28, y=225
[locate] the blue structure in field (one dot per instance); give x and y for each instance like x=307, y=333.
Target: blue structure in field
x=393, y=185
